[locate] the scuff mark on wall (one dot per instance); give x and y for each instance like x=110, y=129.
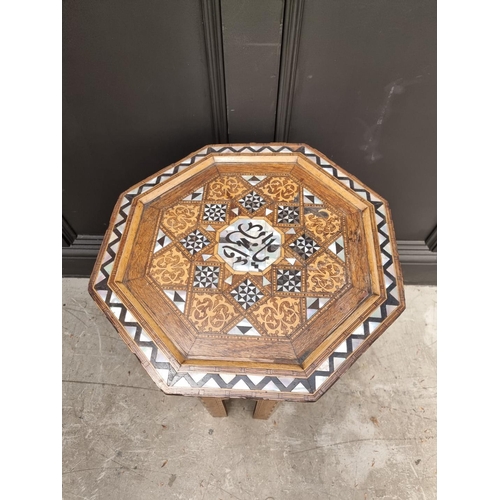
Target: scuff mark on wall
x=373, y=133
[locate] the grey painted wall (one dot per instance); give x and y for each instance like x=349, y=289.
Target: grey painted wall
x=366, y=97
x=135, y=98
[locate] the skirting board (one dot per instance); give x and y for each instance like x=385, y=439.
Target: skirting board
x=418, y=262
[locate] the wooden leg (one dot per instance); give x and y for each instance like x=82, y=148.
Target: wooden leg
x=264, y=409
x=215, y=406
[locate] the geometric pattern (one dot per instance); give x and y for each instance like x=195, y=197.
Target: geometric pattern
x=195, y=195
x=310, y=198
x=288, y=215
x=206, y=276
x=215, y=212
x=178, y=297
x=305, y=246
x=200, y=380
x=254, y=179
x=244, y=327
x=288, y=280
x=314, y=304
x=252, y=201
x=195, y=241
x=337, y=247
x=246, y=294
x=162, y=240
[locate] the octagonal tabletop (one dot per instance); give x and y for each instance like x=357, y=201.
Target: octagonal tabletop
x=258, y=271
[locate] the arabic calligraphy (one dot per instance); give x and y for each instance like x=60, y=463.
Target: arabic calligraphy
x=249, y=245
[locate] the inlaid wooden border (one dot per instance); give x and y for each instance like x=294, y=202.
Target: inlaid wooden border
x=196, y=383
x=190, y=351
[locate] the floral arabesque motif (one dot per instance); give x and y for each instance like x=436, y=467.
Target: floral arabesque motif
x=170, y=268
x=179, y=218
x=325, y=275
x=211, y=312
x=278, y=315
x=322, y=222
x=225, y=188
x=280, y=188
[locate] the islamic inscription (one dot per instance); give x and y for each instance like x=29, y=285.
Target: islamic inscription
x=250, y=245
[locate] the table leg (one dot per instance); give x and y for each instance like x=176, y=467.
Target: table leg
x=215, y=406
x=264, y=409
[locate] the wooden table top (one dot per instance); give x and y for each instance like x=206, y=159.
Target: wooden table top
x=259, y=271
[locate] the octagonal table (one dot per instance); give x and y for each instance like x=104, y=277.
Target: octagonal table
x=249, y=271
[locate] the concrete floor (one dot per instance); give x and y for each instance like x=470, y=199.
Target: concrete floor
x=372, y=436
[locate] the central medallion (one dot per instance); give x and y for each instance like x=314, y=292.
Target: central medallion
x=249, y=245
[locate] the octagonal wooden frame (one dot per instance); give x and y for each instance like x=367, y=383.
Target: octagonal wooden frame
x=314, y=359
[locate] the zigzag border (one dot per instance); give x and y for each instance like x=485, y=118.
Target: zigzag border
x=243, y=382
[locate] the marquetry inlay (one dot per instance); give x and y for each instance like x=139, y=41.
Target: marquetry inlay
x=249, y=271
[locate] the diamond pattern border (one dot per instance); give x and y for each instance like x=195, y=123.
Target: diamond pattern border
x=227, y=381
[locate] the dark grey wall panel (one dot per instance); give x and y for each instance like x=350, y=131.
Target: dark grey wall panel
x=212, y=24
x=252, y=46
x=136, y=97
x=366, y=96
